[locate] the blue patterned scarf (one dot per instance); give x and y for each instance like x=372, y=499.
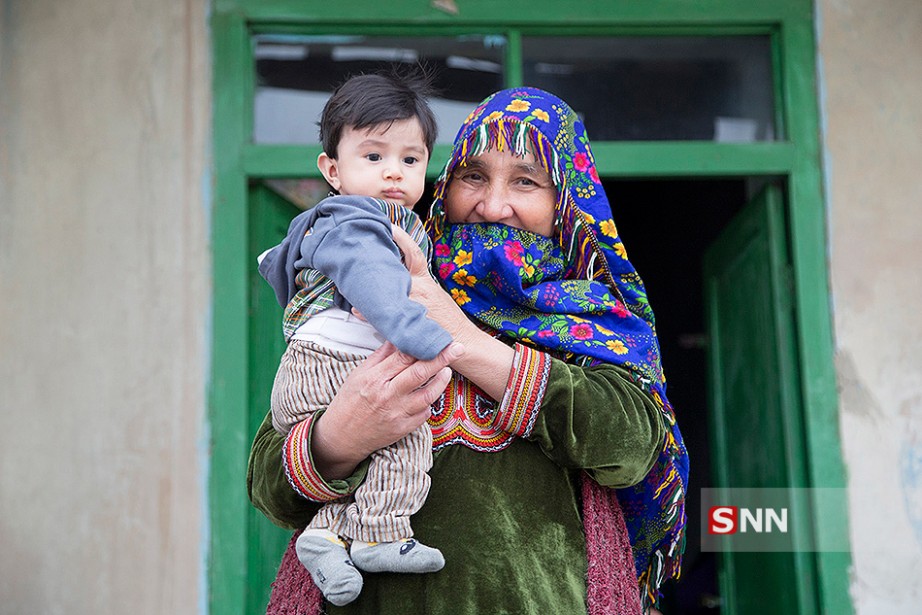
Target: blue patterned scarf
x=513, y=281
x=575, y=294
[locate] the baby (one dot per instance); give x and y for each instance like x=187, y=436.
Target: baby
x=377, y=133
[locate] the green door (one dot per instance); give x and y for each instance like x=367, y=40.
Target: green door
x=268, y=219
x=755, y=426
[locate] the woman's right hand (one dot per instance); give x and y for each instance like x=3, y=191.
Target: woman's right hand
x=381, y=401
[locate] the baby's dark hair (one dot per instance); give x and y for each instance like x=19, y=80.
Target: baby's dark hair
x=364, y=101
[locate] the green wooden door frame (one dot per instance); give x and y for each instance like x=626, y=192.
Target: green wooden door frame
x=796, y=158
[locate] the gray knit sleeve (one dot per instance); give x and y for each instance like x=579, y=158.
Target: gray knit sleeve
x=351, y=242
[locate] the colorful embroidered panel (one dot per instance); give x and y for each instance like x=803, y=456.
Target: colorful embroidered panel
x=464, y=415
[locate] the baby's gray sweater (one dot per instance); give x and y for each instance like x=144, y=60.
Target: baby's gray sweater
x=349, y=240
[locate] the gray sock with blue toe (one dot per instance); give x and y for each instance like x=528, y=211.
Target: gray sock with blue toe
x=404, y=555
x=326, y=559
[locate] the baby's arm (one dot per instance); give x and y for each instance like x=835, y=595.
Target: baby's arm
x=351, y=243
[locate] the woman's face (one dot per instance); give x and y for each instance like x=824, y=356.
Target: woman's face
x=501, y=187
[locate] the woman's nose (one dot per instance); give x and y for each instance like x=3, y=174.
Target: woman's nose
x=494, y=206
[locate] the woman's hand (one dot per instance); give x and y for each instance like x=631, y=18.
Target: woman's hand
x=486, y=361
x=441, y=307
x=381, y=401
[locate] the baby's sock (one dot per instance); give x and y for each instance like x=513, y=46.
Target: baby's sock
x=325, y=557
x=404, y=555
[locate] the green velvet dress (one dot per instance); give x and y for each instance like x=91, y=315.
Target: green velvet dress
x=508, y=522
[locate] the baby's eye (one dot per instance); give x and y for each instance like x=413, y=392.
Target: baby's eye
x=373, y=157
x=410, y=160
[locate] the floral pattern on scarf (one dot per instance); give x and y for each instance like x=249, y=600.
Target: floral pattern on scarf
x=576, y=294
x=512, y=281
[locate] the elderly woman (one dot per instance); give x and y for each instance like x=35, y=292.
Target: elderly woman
x=559, y=474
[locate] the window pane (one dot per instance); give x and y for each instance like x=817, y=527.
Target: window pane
x=296, y=74
x=660, y=88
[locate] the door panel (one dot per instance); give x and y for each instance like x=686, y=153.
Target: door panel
x=268, y=216
x=756, y=432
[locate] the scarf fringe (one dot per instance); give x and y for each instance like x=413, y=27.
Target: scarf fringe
x=665, y=562
x=664, y=565
x=504, y=134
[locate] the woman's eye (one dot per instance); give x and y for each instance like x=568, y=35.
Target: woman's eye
x=526, y=181
x=374, y=157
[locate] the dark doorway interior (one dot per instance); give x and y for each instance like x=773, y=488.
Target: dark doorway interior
x=666, y=226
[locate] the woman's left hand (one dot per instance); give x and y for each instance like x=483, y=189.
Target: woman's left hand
x=426, y=291
x=486, y=361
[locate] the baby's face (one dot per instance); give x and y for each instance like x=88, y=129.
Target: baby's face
x=385, y=161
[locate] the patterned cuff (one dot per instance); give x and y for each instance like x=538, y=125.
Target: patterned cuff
x=299, y=467
x=524, y=391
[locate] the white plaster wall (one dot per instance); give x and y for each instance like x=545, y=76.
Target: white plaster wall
x=871, y=65
x=104, y=291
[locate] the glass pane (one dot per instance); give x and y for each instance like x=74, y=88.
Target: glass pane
x=296, y=74
x=660, y=88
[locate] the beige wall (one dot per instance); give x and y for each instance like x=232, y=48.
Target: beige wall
x=105, y=284
x=871, y=63
x=104, y=297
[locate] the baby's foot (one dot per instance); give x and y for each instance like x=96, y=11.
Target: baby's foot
x=404, y=555
x=325, y=557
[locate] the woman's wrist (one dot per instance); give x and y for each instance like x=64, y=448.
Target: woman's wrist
x=302, y=471
x=334, y=457
x=486, y=362
x=443, y=310
x=466, y=332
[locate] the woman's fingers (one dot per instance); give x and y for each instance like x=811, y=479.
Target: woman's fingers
x=379, y=355
x=388, y=364
x=385, y=398
x=418, y=374
x=412, y=256
x=426, y=394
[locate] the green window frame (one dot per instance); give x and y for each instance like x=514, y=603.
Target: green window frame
x=796, y=157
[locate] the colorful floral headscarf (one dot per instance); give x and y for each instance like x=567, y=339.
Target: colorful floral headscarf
x=576, y=294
